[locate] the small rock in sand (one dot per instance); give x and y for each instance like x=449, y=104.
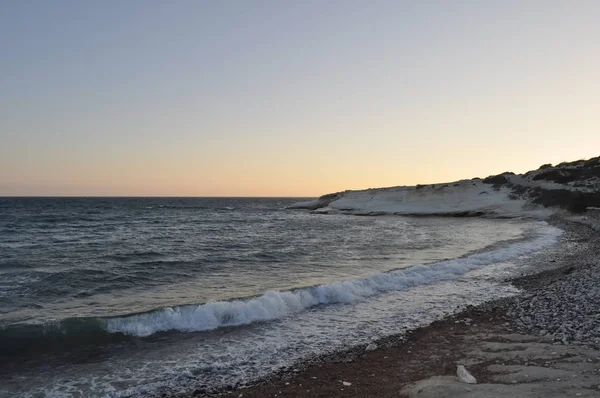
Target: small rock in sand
x=347, y=384
x=464, y=375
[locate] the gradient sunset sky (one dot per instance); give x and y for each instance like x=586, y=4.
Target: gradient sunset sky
x=290, y=98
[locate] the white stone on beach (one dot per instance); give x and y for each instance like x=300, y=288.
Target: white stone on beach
x=347, y=384
x=464, y=375
x=371, y=347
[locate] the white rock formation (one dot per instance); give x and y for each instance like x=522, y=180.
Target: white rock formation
x=504, y=195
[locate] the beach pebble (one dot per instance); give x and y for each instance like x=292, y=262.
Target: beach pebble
x=464, y=376
x=371, y=347
x=347, y=384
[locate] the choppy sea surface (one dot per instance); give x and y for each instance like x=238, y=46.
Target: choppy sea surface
x=132, y=297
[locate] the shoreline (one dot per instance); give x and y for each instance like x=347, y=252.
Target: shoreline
x=401, y=360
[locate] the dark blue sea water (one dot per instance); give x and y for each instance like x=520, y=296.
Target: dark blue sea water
x=141, y=296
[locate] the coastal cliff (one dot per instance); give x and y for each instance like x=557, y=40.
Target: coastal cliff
x=574, y=186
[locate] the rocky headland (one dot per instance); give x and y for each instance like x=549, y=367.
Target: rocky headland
x=574, y=186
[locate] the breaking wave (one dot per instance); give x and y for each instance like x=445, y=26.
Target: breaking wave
x=278, y=304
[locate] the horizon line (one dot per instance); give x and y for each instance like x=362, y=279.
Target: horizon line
x=149, y=197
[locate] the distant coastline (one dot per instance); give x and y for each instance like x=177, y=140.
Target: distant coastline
x=574, y=186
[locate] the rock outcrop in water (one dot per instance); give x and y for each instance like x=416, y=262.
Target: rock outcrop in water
x=574, y=186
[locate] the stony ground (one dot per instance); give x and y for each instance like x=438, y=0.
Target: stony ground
x=565, y=306
x=516, y=365
x=544, y=343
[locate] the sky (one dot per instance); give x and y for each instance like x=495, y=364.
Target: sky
x=290, y=98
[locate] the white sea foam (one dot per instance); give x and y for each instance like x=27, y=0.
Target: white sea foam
x=278, y=304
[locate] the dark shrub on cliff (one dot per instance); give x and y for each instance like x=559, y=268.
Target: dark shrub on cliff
x=560, y=176
x=497, y=179
x=592, y=162
x=573, y=201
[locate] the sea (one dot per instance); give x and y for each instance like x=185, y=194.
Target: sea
x=152, y=297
